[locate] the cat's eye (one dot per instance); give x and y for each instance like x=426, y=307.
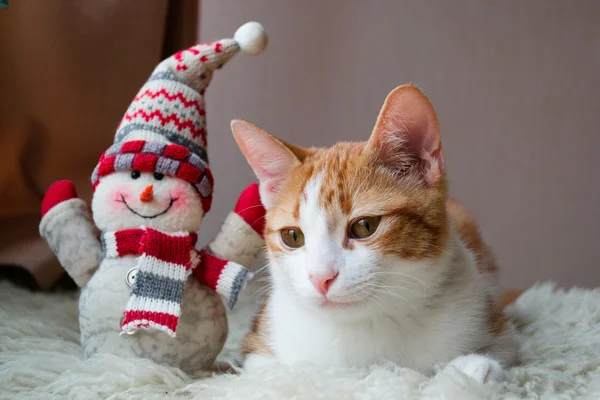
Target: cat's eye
x=158, y=176
x=292, y=238
x=135, y=174
x=364, y=227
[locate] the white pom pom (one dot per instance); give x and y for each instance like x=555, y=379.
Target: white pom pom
x=251, y=37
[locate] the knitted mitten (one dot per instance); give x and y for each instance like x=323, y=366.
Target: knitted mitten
x=241, y=236
x=57, y=193
x=68, y=228
x=250, y=208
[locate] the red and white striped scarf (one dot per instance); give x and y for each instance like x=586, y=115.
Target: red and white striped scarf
x=165, y=261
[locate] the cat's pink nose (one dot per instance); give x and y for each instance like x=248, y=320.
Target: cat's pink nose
x=323, y=282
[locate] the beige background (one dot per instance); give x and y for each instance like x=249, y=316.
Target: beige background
x=517, y=89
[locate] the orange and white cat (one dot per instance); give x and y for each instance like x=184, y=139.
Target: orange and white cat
x=370, y=260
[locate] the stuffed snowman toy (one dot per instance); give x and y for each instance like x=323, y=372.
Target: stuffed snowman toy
x=147, y=289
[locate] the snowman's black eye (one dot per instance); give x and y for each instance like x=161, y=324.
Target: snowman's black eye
x=158, y=176
x=135, y=174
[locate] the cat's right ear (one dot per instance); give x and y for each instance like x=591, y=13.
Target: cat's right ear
x=269, y=158
x=406, y=136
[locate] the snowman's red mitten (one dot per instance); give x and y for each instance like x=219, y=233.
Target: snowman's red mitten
x=58, y=192
x=250, y=209
x=68, y=228
x=241, y=236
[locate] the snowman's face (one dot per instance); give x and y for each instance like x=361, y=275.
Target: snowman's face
x=125, y=200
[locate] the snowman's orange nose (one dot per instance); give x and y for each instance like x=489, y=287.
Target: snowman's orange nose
x=147, y=194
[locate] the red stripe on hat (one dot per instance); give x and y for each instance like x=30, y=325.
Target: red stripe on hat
x=194, y=103
x=160, y=318
x=144, y=162
x=188, y=172
x=179, y=57
x=181, y=124
x=134, y=146
x=168, y=248
x=176, y=152
x=107, y=166
x=210, y=269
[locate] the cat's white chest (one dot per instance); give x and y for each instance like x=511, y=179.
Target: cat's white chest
x=298, y=335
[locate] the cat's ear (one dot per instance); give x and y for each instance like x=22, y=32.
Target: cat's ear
x=406, y=136
x=270, y=159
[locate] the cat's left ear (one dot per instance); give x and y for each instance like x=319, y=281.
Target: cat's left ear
x=406, y=136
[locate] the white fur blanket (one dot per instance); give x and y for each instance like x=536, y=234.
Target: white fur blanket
x=40, y=358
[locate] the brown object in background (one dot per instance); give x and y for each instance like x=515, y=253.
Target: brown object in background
x=68, y=71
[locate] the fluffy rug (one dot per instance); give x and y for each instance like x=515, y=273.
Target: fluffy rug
x=40, y=358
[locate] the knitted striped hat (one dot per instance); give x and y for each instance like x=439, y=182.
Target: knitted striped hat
x=164, y=128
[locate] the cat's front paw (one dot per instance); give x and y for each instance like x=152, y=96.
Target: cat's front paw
x=478, y=367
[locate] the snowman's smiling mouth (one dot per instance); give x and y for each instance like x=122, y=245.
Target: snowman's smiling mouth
x=173, y=200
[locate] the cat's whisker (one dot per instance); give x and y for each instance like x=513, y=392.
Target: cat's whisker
x=389, y=291
x=402, y=274
x=403, y=298
x=380, y=286
x=407, y=285
x=414, y=285
x=379, y=302
x=255, y=221
x=261, y=291
x=264, y=279
x=261, y=269
x=445, y=251
x=248, y=208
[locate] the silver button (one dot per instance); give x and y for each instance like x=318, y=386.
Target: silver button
x=121, y=324
x=130, y=278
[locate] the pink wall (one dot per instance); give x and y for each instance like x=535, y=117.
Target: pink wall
x=516, y=85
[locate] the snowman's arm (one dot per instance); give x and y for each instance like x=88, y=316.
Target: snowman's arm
x=227, y=278
x=241, y=237
x=68, y=228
